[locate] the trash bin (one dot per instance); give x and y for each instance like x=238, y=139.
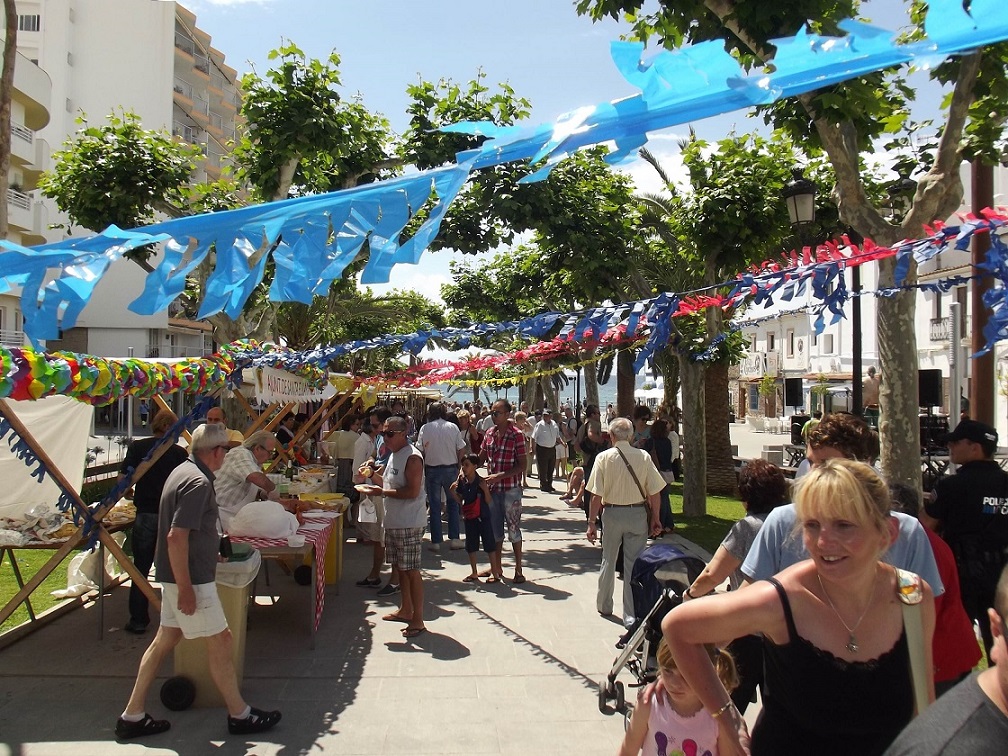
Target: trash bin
x=234, y=579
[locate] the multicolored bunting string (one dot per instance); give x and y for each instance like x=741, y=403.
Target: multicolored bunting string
x=27, y=374
x=312, y=239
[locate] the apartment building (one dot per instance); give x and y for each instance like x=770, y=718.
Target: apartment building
x=27, y=216
x=149, y=57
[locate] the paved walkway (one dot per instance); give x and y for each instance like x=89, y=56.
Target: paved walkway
x=501, y=670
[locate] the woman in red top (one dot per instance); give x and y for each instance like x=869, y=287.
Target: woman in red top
x=955, y=648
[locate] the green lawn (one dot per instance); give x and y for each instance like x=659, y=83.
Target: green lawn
x=707, y=531
x=30, y=561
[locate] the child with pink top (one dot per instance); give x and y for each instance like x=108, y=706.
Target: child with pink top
x=669, y=718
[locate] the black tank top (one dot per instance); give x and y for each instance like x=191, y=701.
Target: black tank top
x=816, y=703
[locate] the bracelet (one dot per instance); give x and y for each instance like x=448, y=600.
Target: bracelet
x=722, y=710
x=689, y=592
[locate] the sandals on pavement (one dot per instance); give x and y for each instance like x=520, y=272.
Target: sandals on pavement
x=518, y=578
x=413, y=632
x=257, y=721
x=470, y=579
x=126, y=730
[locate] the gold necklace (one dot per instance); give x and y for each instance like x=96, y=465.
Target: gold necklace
x=852, y=644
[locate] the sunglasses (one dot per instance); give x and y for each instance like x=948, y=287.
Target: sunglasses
x=494, y=413
x=392, y=433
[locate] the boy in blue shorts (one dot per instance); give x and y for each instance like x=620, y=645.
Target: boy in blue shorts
x=472, y=493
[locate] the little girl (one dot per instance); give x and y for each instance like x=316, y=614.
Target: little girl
x=669, y=718
x=472, y=493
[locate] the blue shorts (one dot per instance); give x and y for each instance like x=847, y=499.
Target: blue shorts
x=477, y=529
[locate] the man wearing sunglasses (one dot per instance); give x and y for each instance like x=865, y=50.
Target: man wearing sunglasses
x=241, y=479
x=504, y=452
x=401, y=484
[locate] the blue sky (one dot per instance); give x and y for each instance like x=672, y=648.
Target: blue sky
x=542, y=48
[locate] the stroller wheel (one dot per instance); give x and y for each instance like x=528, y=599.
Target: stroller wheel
x=620, y=695
x=603, y=696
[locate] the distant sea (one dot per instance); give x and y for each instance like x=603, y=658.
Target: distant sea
x=607, y=393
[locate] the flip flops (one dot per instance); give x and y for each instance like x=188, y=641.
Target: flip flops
x=395, y=618
x=413, y=632
x=518, y=578
x=470, y=579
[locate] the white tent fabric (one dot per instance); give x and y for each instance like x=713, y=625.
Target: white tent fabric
x=61, y=426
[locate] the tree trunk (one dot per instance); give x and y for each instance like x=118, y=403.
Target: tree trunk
x=720, y=464
x=668, y=365
x=626, y=383
x=6, y=93
x=694, y=437
x=591, y=383
x=899, y=426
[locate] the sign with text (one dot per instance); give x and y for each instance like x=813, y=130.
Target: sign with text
x=271, y=385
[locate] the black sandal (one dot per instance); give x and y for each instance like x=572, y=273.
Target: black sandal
x=126, y=730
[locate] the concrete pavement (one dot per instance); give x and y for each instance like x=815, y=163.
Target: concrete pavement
x=509, y=669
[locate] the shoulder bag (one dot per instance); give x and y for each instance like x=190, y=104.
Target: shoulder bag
x=910, y=595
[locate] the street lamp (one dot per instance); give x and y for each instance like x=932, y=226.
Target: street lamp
x=799, y=195
x=901, y=193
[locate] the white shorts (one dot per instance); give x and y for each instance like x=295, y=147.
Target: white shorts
x=207, y=620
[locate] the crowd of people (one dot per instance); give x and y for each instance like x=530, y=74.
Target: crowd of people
x=810, y=598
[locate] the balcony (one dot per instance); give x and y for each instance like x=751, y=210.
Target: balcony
x=202, y=64
x=188, y=133
x=183, y=89
x=12, y=338
x=185, y=44
x=17, y=198
x=165, y=351
x=22, y=147
x=940, y=329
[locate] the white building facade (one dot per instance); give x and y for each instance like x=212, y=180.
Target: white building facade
x=148, y=57
x=783, y=343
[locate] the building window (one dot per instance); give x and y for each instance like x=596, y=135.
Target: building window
x=29, y=23
x=753, y=397
x=936, y=302
x=770, y=342
x=827, y=343
x=790, y=343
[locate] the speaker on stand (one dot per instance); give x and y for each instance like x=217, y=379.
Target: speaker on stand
x=793, y=394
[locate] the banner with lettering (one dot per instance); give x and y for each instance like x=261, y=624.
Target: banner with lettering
x=268, y=385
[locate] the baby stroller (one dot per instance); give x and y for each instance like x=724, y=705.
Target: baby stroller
x=661, y=574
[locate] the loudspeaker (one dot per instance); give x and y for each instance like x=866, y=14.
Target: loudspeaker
x=929, y=388
x=793, y=394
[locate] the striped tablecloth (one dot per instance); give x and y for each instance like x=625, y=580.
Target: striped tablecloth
x=314, y=538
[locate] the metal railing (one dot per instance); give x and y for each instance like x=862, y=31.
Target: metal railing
x=940, y=329
x=10, y=337
x=19, y=199
x=156, y=351
x=183, y=43
x=186, y=132
x=184, y=88
x=202, y=63
x=201, y=106
x=22, y=133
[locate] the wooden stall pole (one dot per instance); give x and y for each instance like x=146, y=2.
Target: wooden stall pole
x=103, y=535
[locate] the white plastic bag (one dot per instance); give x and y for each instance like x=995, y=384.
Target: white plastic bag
x=263, y=519
x=367, y=511
x=82, y=572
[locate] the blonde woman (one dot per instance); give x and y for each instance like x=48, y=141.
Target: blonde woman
x=837, y=665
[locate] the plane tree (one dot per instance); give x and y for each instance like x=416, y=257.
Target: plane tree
x=846, y=121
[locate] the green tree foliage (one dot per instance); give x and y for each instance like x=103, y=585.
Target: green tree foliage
x=845, y=120
x=301, y=133
x=119, y=172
